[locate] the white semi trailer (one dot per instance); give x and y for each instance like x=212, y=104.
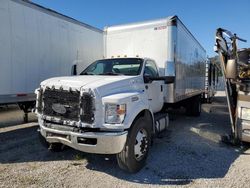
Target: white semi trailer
x=37, y=43
x=115, y=105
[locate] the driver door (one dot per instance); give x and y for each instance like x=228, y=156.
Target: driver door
x=153, y=89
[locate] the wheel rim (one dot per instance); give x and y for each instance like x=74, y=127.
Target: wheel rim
x=141, y=144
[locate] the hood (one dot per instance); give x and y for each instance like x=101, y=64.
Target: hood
x=103, y=84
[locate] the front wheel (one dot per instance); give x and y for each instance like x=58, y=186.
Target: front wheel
x=134, y=154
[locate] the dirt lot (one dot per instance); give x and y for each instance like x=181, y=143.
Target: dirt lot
x=189, y=154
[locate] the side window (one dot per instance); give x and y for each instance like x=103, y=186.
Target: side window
x=151, y=69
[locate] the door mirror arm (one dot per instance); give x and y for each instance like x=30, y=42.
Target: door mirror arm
x=166, y=79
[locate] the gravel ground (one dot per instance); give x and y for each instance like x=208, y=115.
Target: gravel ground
x=189, y=154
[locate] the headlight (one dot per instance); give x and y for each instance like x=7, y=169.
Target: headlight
x=245, y=113
x=115, y=113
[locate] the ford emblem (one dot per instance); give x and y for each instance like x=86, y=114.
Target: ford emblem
x=59, y=108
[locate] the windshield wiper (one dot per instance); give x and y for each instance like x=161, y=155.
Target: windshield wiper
x=111, y=73
x=87, y=73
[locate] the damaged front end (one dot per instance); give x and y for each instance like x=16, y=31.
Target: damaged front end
x=68, y=117
x=67, y=107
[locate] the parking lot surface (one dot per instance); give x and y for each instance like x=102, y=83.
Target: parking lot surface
x=189, y=154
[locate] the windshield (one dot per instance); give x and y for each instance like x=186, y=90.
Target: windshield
x=118, y=66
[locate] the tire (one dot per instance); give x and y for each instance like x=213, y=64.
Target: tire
x=193, y=106
x=197, y=106
x=53, y=147
x=134, y=154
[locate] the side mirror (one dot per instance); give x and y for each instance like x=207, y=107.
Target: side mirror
x=147, y=79
x=74, y=70
x=166, y=79
x=231, y=69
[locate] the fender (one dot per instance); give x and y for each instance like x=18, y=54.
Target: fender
x=136, y=102
x=146, y=113
x=136, y=110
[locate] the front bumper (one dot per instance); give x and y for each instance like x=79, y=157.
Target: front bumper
x=90, y=142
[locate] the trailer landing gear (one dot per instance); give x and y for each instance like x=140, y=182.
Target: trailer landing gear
x=26, y=107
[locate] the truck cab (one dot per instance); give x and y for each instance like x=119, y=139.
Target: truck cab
x=112, y=107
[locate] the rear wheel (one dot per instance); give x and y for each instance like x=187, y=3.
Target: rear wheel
x=209, y=100
x=193, y=106
x=134, y=154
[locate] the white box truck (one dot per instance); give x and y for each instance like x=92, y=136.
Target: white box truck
x=37, y=43
x=167, y=41
x=115, y=105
